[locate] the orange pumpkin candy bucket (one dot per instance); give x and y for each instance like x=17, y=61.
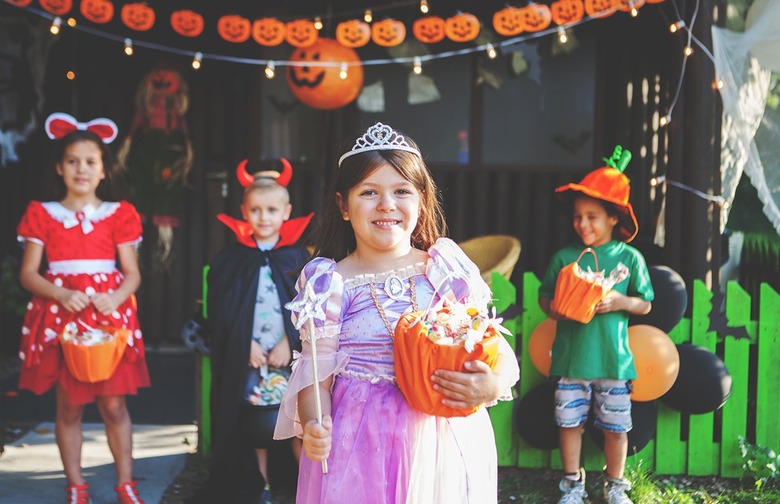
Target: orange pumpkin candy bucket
x=93, y=363
x=417, y=357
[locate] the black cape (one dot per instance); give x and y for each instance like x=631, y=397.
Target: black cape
x=232, y=290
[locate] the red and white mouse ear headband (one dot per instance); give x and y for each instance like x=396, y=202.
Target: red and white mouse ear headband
x=282, y=178
x=60, y=124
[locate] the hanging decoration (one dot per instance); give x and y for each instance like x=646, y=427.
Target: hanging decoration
x=599, y=8
x=269, y=32
x=187, y=23
x=462, y=27
x=566, y=12
x=536, y=17
x=158, y=154
x=325, y=87
x=508, y=21
x=97, y=11
x=388, y=32
x=138, y=16
x=429, y=29
x=301, y=33
x=234, y=28
x=57, y=7
x=353, y=33
x=628, y=5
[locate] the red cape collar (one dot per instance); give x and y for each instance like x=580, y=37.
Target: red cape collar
x=291, y=231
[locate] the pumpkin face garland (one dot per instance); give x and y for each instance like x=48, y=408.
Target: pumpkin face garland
x=187, y=23
x=234, y=28
x=97, y=11
x=268, y=31
x=322, y=87
x=57, y=7
x=301, y=33
x=599, y=8
x=429, y=30
x=353, y=33
x=138, y=16
x=567, y=11
x=388, y=32
x=462, y=27
x=627, y=5
x=508, y=21
x=536, y=17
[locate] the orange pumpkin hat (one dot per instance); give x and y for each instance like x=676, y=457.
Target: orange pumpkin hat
x=610, y=184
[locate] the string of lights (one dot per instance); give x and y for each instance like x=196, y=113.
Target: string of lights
x=720, y=200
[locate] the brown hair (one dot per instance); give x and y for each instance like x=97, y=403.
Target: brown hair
x=335, y=237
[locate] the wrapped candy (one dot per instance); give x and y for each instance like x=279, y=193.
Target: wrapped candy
x=92, y=355
x=443, y=338
x=578, y=291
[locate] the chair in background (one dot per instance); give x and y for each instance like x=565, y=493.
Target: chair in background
x=491, y=253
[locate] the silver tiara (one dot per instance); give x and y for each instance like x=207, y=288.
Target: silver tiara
x=380, y=137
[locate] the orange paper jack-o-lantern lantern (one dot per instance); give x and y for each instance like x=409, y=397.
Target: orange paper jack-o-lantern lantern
x=654, y=1
x=599, y=8
x=20, y=3
x=508, y=21
x=322, y=87
x=567, y=11
x=627, y=5
x=429, y=30
x=301, y=33
x=187, y=23
x=353, y=33
x=269, y=31
x=536, y=17
x=388, y=32
x=462, y=27
x=138, y=16
x=97, y=11
x=234, y=28
x=57, y=7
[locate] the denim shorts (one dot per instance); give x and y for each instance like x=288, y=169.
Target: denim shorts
x=611, y=401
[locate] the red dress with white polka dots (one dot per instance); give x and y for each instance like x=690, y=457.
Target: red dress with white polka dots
x=80, y=249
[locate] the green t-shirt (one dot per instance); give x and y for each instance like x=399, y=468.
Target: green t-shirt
x=598, y=349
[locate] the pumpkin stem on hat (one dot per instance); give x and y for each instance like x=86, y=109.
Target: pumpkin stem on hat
x=619, y=159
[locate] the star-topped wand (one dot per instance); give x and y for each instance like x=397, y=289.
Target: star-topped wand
x=309, y=308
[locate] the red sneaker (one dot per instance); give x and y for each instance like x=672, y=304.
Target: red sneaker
x=78, y=494
x=127, y=493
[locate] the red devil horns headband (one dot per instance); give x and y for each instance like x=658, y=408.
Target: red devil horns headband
x=282, y=178
x=60, y=124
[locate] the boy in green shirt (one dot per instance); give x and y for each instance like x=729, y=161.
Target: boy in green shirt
x=594, y=360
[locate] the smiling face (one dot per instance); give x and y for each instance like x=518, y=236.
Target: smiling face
x=592, y=222
x=383, y=210
x=81, y=168
x=266, y=209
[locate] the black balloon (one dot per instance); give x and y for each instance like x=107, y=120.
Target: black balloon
x=643, y=418
x=535, y=417
x=671, y=300
x=703, y=384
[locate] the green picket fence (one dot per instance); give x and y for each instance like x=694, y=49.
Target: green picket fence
x=708, y=445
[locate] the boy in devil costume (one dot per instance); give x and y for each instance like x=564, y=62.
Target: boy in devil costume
x=252, y=337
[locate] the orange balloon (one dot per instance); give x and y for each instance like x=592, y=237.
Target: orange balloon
x=656, y=359
x=540, y=346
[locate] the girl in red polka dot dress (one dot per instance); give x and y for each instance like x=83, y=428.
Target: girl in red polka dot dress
x=82, y=237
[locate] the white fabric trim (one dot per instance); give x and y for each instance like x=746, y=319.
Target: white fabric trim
x=403, y=274
x=23, y=239
x=69, y=218
x=81, y=266
x=131, y=243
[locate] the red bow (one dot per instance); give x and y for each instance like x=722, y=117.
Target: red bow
x=60, y=124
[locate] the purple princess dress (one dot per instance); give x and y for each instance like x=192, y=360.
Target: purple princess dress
x=383, y=451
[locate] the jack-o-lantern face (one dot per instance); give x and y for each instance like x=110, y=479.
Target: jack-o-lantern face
x=20, y=3
x=301, y=33
x=187, y=23
x=508, y=21
x=353, y=33
x=322, y=87
x=234, y=28
x=429, y=30
x=462, y=27
x=268, y=31
x=138, y=16
x=536, y=17
x=164, y=82
x=567, y=11
x=57, y=7
x=97, y=11
x=627, y=5
x=599, y=8
x=388, y=32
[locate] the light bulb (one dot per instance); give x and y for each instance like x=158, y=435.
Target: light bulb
x=688, y=50
x=71, y=22
x=562, y=36
x=718, y=84
x=367, y=16
x=55, y=26
x=128, y=47
x=491, y=51
x=679, y=25
x=665, y=120
x=424, y=6
x=71, y=75
x=417, y=68
x=196, y=60
x=318, y=23
x=343, y=73
x=270, y=70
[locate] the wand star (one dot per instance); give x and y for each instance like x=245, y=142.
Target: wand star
x=310, y=306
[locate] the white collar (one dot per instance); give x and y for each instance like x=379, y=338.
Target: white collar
x=87, y=216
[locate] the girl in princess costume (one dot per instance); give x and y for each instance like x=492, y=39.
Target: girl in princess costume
x=81, y=235
x=252, y=336
x=381, y=254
